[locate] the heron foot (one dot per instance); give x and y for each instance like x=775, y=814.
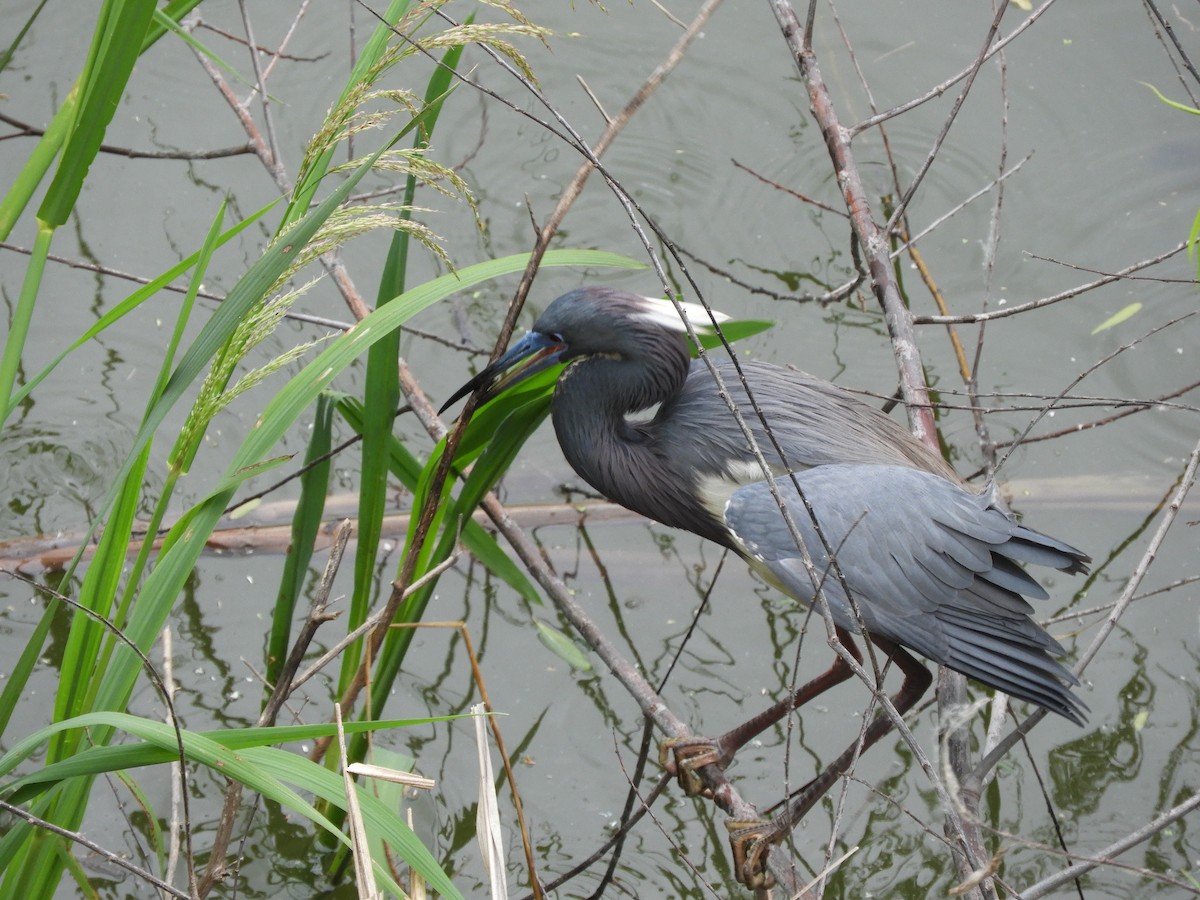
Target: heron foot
x=751, y=840
x=684, y=757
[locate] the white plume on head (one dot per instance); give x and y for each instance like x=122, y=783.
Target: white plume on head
x=663, y=312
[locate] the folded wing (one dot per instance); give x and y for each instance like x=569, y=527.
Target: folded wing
x=930, y=564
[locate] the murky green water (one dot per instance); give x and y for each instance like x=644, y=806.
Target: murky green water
x=1112, y=180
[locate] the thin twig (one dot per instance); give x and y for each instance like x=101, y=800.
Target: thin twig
x=991, y=247
x=1136, y=407
x=1049, y=407
x=681, y=852
x=902, y=204
x=939, y=89
x=284, y=687
x=175, y=827
x=957, y=208
x=1151, y=828
x=1055, y=298
x=1184, y=59
x=834, y=295
x=113, y=858
x=1075, y=615
x=260, y=87
x=167, y=697
x=277, y=53
x=261, y=148
x=870, y=236
x=26, y=130
x=377, y=620
x=803, y=198
x=308, y=318
x=1135, y=579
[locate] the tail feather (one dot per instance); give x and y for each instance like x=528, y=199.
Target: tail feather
x=1027, y=545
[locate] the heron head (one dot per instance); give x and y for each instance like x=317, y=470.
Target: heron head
x=590, y=321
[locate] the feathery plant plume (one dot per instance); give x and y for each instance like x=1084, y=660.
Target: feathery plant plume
x=363, y=106
x=413, y=161
x=350, y=222
x=215, y=394
x=343, y=225
x=349, y=116
x=492, y=36
x=95, y=677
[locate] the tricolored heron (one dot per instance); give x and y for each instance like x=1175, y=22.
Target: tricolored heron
x=931, y=564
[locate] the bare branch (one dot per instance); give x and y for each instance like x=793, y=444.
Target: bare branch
x=113, y=858
x=1055, y=298
x=1151, y=828
x=939, y=89
x=26, y=130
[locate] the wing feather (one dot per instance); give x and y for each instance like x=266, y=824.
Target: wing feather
x=930, y=565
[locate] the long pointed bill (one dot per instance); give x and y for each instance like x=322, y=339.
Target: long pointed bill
x=528, y=356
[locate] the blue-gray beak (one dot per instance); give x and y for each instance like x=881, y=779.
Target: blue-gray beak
x=528, y=356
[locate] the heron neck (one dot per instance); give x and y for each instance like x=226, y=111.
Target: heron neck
x=631, y=463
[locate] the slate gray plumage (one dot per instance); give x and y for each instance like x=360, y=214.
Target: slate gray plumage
x=932, y=564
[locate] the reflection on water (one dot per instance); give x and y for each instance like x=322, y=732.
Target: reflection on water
x=1082, y=770
x=1092, y=195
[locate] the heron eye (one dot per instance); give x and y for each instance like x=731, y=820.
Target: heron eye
x=556, y=337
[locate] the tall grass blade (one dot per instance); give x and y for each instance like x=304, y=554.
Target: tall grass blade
x=406, y=469
x=382, y=387
x=81, y=663
x=276, y=775
x=116, y=44
x=7, y=55
x=306, y=523
x=48, y=146
x=128, y=305
x=14, y=343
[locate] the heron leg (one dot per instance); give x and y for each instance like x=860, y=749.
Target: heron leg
x=751, y=840
x=683, y=757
